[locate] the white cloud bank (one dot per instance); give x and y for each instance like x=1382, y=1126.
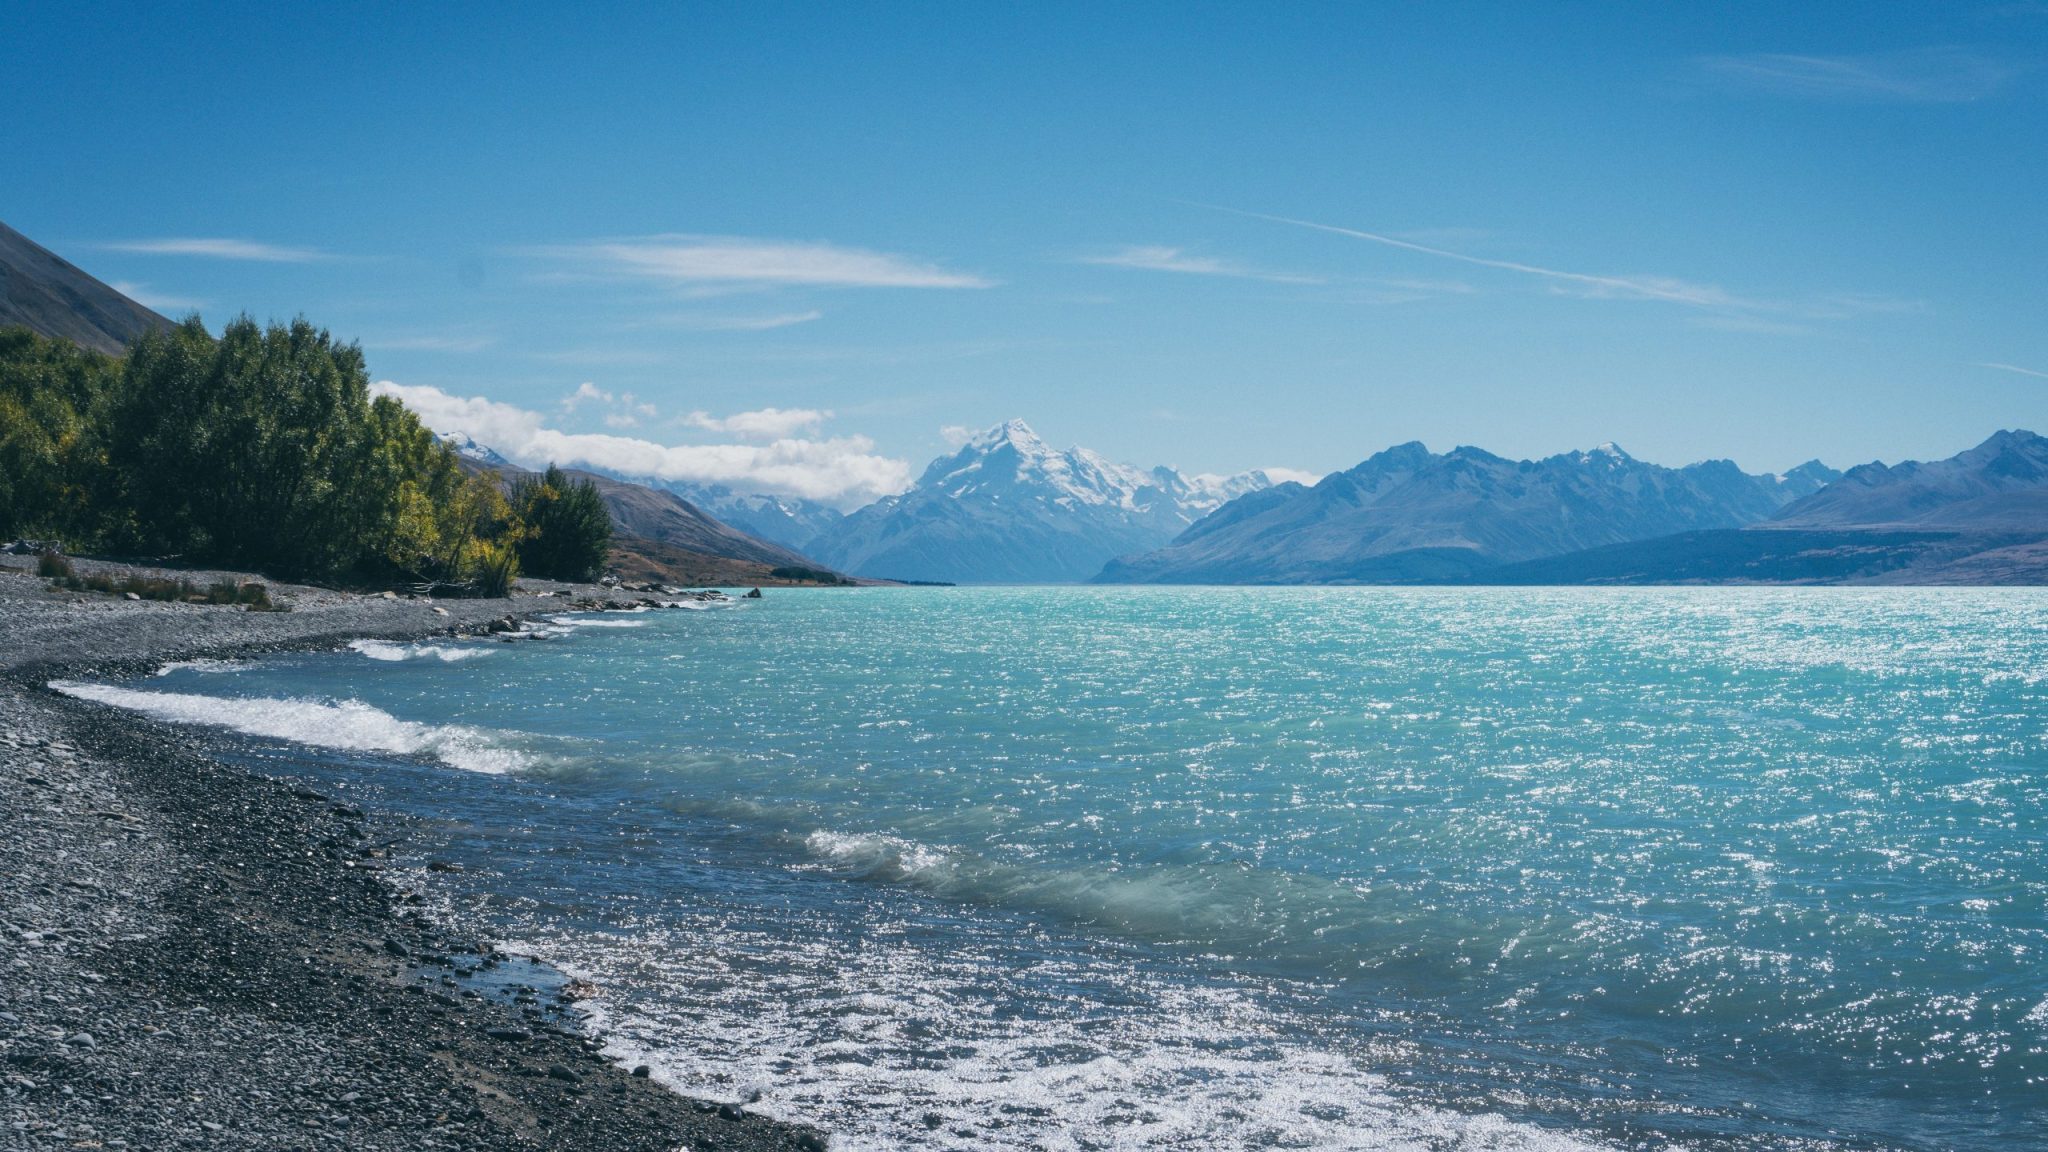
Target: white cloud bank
x=1292, y=476
x=842, y=471
x=683, y=259
x=764, y=424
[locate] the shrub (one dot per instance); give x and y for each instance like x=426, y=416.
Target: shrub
x=568, y=531
x=52, y=565
x=496, y=566
x=255, y=596
x=808, y=575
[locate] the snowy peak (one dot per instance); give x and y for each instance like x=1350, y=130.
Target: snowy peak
x=467, y=448
x=1205, y=492
x=1009, y=461
x=1006, y=505
x=1014, y=433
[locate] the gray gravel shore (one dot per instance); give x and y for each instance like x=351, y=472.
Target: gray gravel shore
x=198, y=957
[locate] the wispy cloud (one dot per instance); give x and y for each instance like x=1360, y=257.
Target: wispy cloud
x=695, y=322
x=585, y=393
x=1664, y=289
x=217, y=248
x=1744, y=322
x=1161, y=258
x=601, y=355
x=844, y=471
x=1921, y=76
x=432, y=343
x=148, y=297
x=623, y=410
x=762, y=424
x=2014, y=368
x=687, y=260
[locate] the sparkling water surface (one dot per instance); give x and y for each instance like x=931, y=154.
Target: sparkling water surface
x=1251, y=868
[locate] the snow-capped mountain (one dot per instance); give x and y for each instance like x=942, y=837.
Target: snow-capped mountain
x=1408, y=514
x=467, y=448
x=1008, y=507
x=790, y=521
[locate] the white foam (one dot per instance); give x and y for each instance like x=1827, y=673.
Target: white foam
x=876, y=857
x=348, y=724
x=209, y=666
x=877, y=1042
x=388, y=651
x=595, y=622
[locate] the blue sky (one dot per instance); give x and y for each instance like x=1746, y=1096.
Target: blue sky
x=1216, y=236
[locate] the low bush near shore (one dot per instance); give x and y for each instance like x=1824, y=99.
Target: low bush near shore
x=51, y=565
x=808, y=575
x=255, y=597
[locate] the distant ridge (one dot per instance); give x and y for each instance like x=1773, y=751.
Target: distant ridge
x=53, y=297
x=1408, y=515
x=1979, y=517
x=2000, y=485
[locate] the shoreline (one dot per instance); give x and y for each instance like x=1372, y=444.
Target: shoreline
x=201, y=956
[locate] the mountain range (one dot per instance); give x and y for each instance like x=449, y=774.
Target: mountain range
x=791, y=521
x=1411, y=515
x=2000, y=485
x=1978, y=517
x=1008, y=508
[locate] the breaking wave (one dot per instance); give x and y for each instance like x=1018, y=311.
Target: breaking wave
x=206, y=665
x=389, y=651
x=345, y=724
x=594, y=622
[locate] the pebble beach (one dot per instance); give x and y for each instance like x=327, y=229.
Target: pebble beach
x=199, y=957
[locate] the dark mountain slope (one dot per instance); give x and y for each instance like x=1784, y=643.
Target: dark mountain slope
x=51, y=296
x=669, y=519
x=658, y=535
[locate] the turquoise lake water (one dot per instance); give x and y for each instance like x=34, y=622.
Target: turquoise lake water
x=1250, y=868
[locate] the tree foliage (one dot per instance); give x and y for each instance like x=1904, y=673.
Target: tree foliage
x=263, y=449
x=569, y=532
x=51, y=403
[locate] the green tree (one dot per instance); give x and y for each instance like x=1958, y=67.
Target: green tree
x=262, y=449
x=568, y=532
x=52, y=396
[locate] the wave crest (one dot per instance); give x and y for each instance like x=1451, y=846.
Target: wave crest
x=388, y=651
x=345, y=724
